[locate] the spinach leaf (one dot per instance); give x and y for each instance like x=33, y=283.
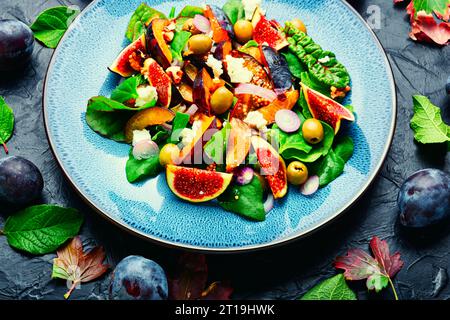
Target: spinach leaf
x=180, y=122
x=6, y=123
x=179, y=22
x=234, y=9
x=344, y=147
x=159, y=135
x=108, y=124
x=178, y=44
x=294, y=148
x=138, y=170
x=190, y=11
x=140, y=17
x=172, y=13
x=104, y=104
x=295, y=65
x=42, y=229
x=52, y=23
x=322, y=65
x=216, y=147
x=427, y=122
x=245, y=200
x=334, y=288
x=127, y=90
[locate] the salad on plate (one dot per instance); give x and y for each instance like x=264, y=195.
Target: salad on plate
x=232, y=105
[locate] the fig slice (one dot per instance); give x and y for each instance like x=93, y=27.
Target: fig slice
x=326, y=109
x=203, y=84
x=193, y=152
x=285, y=101
x=238, y=145
x=265, y=32
x=196, y=185
x=122, y=65
x=159, y=79
x=272, y=165
x=146, y=118
x=156, y=44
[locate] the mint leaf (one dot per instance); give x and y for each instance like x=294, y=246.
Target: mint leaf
x=178, y=43
x=42, y=229
x=427, y=122
x=6, y=123
x=245, y=200
x=104, y=104
x=52, y=23
x=137, y=170
x=127, y=90
x=431, y=5
x=234, y=9
x=190, y=11
x=334, y=288
x=179, y=123
x=139, y=19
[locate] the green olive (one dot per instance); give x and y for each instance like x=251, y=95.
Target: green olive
x=297, y=173
x=299, y=25
x=243, y=30
x=221, y=100
x=312, y=130
x=169, y=154
x=199, y=44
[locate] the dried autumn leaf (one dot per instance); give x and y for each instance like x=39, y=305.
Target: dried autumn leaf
x=75, y=265
x=190, y=281
x=378, y=271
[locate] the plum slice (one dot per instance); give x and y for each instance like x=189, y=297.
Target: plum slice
x=156, y=43
x=146, y=118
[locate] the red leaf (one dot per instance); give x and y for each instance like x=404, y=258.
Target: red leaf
x=357, y=264
x=390, y=264
x=425, y=28
x=217, y=291
x=191, y=280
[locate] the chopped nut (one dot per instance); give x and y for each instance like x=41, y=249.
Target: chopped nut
x=175, y=73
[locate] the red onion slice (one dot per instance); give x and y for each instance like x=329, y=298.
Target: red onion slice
x=244, y=175
x=310, y=186
x=145, y=149
x=201, y=23
x=287, y=120
x=192, y=110
x=269, y=203
x=167, y=126
x=248, y=88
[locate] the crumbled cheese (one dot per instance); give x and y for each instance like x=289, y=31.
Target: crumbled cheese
x=146, y=94
x=141, y=135
x=324, y=59
x=187, y=136
x=236, y=70
x=215, y=65
x=256, y=119
x=250, y=7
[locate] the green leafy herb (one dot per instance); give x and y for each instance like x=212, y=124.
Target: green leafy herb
x=137, y=170
x=180, y=122
x=344, y=147
x=108, y=124
x=159, y=134
x=190, y=11
x=216, y=146
x=104, y=104
x=139, y=19
x=430, y=6
x=245, y=200
x=295, y=147
x=42, y=229
x=334, y=288
x=172, y=13
x=295, y=65
x=127, y=90
x=6, y=123
x=52, y=23
x=427, y=122
x=234, y=9
x=322, y=65
x=179, y=43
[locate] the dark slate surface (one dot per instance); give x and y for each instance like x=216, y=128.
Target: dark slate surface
x=282, y=273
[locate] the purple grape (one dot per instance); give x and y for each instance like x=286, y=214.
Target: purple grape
x=16, y=44
x=447, y=85
x=20, y=180
x=137, y=278
x=424, y=198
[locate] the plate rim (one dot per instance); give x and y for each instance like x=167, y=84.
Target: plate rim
x=245, y=248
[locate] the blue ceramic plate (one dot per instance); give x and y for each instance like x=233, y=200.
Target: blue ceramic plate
x=96, y=166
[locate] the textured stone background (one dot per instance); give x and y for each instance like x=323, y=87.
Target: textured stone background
x=282, y=273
